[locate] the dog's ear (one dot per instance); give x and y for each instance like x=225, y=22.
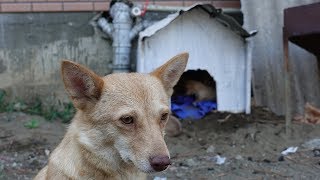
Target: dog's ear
x=83, y=86
x=170, y=72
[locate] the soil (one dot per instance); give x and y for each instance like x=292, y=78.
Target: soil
x=252, y=145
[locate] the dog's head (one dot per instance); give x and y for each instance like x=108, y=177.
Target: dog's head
x=125, y=111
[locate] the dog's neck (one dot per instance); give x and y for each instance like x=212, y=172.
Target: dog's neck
x=77, y=155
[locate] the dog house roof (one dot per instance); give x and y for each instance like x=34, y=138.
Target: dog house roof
x=213, y=12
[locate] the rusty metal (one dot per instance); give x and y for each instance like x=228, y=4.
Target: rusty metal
x=285, y=49
x=302, y=25
x=287, y=88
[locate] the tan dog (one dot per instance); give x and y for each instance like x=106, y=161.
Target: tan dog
x=118, y=130
x=200, y=90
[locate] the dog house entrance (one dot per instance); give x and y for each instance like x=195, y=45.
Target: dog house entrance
x=194, y=95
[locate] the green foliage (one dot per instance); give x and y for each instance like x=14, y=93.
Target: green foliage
x=2, y=100
x=65, y=115
x=32, y=124
x=37, y=108
x=2, y=173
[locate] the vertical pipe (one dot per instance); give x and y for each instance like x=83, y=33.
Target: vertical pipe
x=122, y=24
x=287, y=82
x=248, y=75
x=122, y=32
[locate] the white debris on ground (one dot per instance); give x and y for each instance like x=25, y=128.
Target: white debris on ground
x=219, y=160
x=289, y=150
x=159, y=178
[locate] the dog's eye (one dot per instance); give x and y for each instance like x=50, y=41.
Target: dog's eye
x=164, y=116
x=127, y=119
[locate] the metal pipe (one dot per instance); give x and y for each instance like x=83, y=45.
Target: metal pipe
x=119, y=31
x=139, y=27
x=105, y=26
x=122, y=32
x=152, y=7
x=122, y=24
x=163, y=8
x=249, y=46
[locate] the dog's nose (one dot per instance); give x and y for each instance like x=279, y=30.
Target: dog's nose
x=159, y=163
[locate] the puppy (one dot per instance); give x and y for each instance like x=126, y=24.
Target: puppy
x=118, y=129
x=200, y=91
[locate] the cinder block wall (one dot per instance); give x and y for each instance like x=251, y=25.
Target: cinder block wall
x=36, y=34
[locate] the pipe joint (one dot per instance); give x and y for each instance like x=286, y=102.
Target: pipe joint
x=105, y=26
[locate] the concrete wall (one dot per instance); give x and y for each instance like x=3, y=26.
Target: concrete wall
x=32, y=46
x=267, y=58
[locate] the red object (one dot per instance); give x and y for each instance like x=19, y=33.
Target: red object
x=145, y=6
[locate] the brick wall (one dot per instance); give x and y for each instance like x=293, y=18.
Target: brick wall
x=11, y=6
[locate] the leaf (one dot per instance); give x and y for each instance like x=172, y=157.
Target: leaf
x=32, y=124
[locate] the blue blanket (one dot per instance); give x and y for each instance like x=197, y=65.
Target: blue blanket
x=184, y=107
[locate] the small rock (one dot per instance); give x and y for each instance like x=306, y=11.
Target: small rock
x=312, y=144
x=191, y=162
x=184, y=167
x=266, y=161
x=249, y=158
x=316, y=152
x=35, y=163
x=281, y=158
x=159, y=178
x=210, y=169
x=14, y=164
x=179, y=175
x=31, y=156
x=239, y=157
x=172, y=168
x=19, y=106
x=210, y=149
x=173, y=127
x=202, y=142
x=183, y=164
x=47, y=152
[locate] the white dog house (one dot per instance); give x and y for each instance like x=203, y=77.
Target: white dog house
x=215, y=42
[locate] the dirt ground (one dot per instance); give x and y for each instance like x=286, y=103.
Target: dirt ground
x=252, y=145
